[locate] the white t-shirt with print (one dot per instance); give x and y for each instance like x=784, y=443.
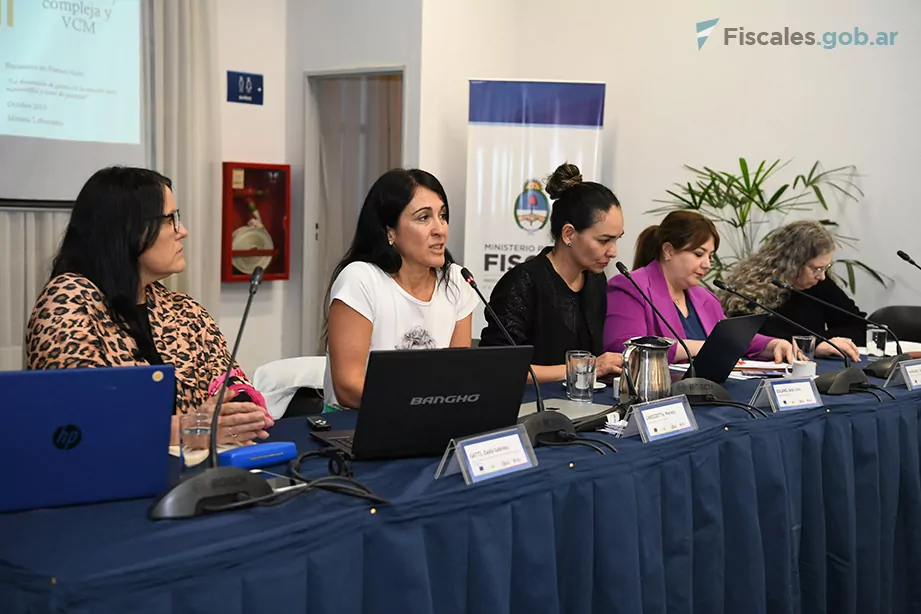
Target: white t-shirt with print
x=400, y=321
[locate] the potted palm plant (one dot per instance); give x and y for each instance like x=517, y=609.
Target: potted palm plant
x=740, y=204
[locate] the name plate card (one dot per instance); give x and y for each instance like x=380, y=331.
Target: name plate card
x=488, y=455
x=908, y=372
x=787, y=394
x=664, y=418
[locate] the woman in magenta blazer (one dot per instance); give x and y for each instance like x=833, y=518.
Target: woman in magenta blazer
x=671, y=259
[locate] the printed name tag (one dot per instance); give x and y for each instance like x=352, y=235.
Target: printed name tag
x=487, y=456
x=909, y=372
x=664, y=418
x=787, y=394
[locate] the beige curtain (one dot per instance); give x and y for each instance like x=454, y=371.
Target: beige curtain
x=360, y=122
x=29, y=239
x=186, y=84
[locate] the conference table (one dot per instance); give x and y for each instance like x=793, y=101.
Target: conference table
x=808, y=511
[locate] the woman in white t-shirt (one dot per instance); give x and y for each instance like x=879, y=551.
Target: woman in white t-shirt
x=397, y=287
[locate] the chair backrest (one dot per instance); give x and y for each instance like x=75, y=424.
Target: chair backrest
x=904, y=320
x=280, y=381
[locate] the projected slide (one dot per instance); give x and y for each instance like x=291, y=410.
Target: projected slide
x=71, y=70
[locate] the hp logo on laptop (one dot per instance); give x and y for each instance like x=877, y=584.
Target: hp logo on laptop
x=67, y=437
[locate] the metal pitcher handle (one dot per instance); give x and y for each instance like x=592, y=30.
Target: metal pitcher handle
x=628, y=351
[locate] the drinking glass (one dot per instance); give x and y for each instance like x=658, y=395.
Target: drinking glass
x=580, y=375
x=876, y=342
x=803, y=348
x=194, y=439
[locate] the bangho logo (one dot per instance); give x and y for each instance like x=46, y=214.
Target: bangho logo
x=451, y=399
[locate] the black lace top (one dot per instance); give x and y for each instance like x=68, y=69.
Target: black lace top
x=539, y=309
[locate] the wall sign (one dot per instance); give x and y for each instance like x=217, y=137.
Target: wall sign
x=244, y=87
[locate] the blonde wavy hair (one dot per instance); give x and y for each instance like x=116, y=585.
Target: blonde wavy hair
x=781, y=256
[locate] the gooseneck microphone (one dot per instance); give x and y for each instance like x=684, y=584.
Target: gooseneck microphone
x=254, y=281
x=539, y=423
x=838, y=382
x=216, y=487
x=697, y=389
x=879, y=368
x=907, y=259
x=468, y=277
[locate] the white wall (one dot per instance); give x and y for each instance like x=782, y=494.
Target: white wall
x=285, y=40
x=251, y=38
x=669, y=104
x=338, y=36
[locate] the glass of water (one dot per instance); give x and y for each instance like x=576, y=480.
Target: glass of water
x=803, y=348
x=580, y=375
x=876, y=342
x=194, y=439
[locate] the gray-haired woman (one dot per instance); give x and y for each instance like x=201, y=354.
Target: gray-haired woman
x=799, y=254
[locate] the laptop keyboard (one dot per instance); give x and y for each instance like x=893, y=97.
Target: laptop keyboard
x=345, y=441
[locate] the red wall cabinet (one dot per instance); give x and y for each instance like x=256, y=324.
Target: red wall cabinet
x=256, y=214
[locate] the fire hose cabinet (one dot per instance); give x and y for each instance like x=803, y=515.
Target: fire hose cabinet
x=255, y=225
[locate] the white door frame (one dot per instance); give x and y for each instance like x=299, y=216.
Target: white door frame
x=311, y=300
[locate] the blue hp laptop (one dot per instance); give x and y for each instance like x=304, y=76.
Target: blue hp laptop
x=85, y=435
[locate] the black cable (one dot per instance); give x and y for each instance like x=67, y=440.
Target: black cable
x=601, y=441
x=878, y=398
x=566, y=436
x=881, y=389
x=275, y=498
x=351, y=487
x=570, y=443
x=339, y=481
x=748, y=408
x=593, y=422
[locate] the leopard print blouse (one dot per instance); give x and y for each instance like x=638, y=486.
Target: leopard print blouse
x=70, y=327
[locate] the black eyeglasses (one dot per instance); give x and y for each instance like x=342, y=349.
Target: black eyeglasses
x=174, y=216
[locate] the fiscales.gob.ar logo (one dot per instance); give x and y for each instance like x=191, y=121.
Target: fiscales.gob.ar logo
x=532, y=208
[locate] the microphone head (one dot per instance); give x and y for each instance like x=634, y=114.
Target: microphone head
x=622, y=268
x=256, y=278
x=719, y=283
x=466, y=274
x=780, y=284
x=904, y=256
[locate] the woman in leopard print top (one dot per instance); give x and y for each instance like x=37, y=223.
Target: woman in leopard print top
x=104, y=305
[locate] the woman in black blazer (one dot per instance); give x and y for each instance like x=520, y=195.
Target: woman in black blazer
x=557, y=300
x=799, y=254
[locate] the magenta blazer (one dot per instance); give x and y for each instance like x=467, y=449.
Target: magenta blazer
x=630, y=316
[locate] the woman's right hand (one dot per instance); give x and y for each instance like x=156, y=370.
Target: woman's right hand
x=239, y=422
x=608, y=363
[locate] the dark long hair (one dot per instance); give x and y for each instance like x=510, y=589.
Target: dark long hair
x=117, y=216
x=382, y=208
x=576, y=202
x=684, y=229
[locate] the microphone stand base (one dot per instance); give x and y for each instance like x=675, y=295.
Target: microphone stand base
x=546, y=422
x=840, y=382
x=884, y=367
x=699, y=389
x=212, y=487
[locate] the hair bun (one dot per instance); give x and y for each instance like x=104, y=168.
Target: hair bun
x=564, y=177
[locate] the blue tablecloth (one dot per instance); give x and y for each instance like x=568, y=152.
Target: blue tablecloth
x=809, y=511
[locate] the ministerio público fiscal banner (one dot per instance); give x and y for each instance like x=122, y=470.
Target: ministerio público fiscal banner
x=518, y=133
